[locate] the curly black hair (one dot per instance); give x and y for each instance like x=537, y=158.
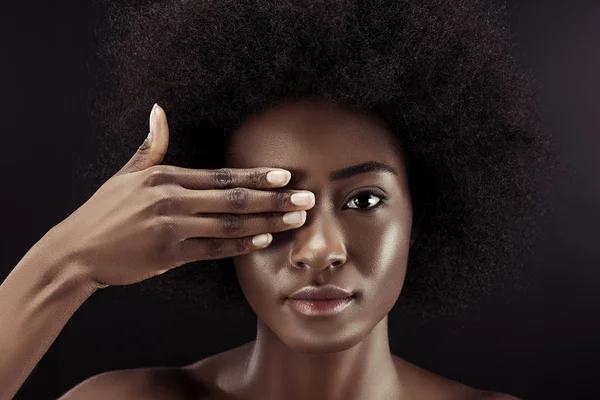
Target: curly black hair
x=440, y=73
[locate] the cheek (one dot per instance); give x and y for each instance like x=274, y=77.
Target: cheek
x=256, y=273
x=376, y=264
x=382, y=257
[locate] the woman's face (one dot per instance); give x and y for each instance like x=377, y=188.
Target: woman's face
x=357, y=235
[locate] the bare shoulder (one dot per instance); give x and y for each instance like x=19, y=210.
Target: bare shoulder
x=221, y=375
x=159, y=383
x=206, y=379
x=423, y=384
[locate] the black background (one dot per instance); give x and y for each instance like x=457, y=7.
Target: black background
x=544, y=344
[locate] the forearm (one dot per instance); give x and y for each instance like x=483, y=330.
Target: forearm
x=36, y=300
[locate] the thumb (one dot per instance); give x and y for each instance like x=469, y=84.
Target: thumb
x=154, y=148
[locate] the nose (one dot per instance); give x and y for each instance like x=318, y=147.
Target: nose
x=319, y=243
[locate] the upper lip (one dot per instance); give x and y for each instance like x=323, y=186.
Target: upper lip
x=320, y=293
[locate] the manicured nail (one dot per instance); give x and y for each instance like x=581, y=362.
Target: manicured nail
x=262, y=239
x=154, y=115
x=294, y=217
x=278, y=177
x=302, y=199
x=152, y=118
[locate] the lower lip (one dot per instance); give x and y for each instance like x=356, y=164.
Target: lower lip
x=321, y=307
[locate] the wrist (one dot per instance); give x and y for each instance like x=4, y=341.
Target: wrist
x=56, y=265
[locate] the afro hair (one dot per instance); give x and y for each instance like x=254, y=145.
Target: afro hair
x=440, y=73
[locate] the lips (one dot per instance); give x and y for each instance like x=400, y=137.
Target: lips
x=327, y=292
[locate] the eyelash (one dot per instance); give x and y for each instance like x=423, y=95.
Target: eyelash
x=382, y=200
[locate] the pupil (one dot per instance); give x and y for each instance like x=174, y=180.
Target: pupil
x=357, y=202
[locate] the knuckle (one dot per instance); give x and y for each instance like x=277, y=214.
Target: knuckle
x=231, y=224
x=157, y=175
x=222, y=178
x=274, y=221
x=214, y=247
x=163, y=203
x=164, y=225
x=242, y=245
x=280, y=199
x=258, y=178
x=237, y=198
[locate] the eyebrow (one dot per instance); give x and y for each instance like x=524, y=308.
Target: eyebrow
x=346, y=172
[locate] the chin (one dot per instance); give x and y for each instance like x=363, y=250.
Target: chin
x=323, y=343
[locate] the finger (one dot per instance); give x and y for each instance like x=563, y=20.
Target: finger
x=154, y=148
x=224, y=178
x=237, y=225
x=213, y=248
x=244, y=201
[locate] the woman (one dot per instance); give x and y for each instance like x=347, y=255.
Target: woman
x=406, y=125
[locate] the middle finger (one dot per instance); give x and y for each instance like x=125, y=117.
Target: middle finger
x=245, y=200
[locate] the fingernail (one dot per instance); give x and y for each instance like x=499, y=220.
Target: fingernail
x=150, y=134
x=294, y=217
x=154, y=115
x=302, y=199
x=278, y=177
x=262, y=239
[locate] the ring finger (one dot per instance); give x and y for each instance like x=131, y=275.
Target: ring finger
x=238, y=225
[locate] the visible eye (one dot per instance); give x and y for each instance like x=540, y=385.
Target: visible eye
x=367, y=201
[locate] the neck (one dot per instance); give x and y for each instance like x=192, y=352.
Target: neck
x=363, y=371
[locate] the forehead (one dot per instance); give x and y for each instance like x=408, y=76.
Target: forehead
x=312, y=136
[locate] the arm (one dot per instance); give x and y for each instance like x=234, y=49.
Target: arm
x=36, y=300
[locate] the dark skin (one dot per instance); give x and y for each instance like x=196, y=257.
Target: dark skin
x=149, y=218
x=346, y=356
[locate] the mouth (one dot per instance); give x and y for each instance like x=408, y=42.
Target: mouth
x=321, y=307
x=321, y=301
